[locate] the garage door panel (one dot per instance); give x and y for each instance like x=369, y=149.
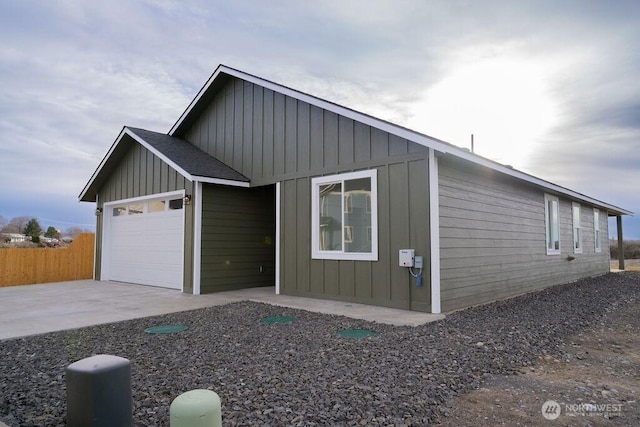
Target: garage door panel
x=164, y=240
x=147, y=248
x=150, y=276
x=148, y=260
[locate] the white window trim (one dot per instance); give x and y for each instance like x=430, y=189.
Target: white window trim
x=547, y=199
x=315, y=217
x=597, y=241
x=578, y=249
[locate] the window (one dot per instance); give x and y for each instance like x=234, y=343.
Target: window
x=552, y=223
x=120, y=210
x=146, y=206
x=175, y=204
x=156, y=206
x=344, y=216
x=348, y=234
x=136, y=208
x=596, y=229
x=577, y=229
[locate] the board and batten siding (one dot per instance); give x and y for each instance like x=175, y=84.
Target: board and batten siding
x=141, y=173
x=402, y=223
x=238, y=238
x=270, y=137
x=493, y=241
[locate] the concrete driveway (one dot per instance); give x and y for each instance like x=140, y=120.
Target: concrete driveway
x=36, y=309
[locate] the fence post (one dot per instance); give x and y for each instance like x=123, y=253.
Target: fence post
x=196, y=408
x=99, y=392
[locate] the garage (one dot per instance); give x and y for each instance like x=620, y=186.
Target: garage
x=144, y=241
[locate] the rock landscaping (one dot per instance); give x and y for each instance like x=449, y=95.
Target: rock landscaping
x=303, y=372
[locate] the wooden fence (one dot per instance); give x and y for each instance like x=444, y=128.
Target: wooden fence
x=26, y=266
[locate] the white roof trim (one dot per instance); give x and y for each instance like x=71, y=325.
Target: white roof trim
x=393, y=129
x=101, y=165
x=549, y=186
x=171, y=163
x=220, y=181
x=162, y=157
x=181, y=171
x=165, y=195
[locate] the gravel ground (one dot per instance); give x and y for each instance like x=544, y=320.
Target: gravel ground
x=303, y=373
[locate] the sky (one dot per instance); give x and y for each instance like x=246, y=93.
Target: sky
x=551, y=88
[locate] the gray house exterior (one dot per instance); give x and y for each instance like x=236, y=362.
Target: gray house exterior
x=258, y=184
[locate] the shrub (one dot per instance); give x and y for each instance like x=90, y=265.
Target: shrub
x=631, y=249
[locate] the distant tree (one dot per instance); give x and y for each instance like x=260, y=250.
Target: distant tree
x=52, y=233
x=3, y=222
x=74, y=231
x=16, y=225
x=33, y=229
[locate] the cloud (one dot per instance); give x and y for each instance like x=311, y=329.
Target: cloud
x=75, y=72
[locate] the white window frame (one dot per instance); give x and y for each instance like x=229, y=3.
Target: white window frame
x=549, y=198
x=577, y=226
x=597, y=244
x=316, y=253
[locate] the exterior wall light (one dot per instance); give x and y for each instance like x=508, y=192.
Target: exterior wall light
x=186, y=199
x=98, y=211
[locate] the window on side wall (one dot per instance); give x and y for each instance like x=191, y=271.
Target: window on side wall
x=596, y=229
x=344, y=216
x=552, y=224
x=577, y=229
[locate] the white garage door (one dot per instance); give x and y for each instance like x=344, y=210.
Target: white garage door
x=145, y=242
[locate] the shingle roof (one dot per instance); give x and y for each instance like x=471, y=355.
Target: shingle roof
x=188, y=157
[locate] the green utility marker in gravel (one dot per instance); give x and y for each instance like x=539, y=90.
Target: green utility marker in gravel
x=357, y=333
x=277, y=319
x=166, y=329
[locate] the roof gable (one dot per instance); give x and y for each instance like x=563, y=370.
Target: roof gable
x=196, y=165
x=187, y=159
x=223, y=73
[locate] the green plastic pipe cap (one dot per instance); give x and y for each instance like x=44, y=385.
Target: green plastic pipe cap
x=277, y=319
x=357, y=333
x=166, y=329
x=196, y=408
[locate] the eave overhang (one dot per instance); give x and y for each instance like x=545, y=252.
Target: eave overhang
x=220, y=173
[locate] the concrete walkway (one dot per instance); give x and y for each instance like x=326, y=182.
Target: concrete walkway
x=36, y=309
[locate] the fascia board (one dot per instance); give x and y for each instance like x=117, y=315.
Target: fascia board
x=227, y=182
x=164, y=158
x=402, y=132
x=318, y=102
x=195, y=100
x=118, y=141
x=102, y=164
x=546, y=185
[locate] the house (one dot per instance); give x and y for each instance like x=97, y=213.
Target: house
x=15, y=237
x=260, y=184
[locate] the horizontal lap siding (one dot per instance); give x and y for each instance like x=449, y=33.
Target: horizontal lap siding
x=492, y=239
x=238, y=226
